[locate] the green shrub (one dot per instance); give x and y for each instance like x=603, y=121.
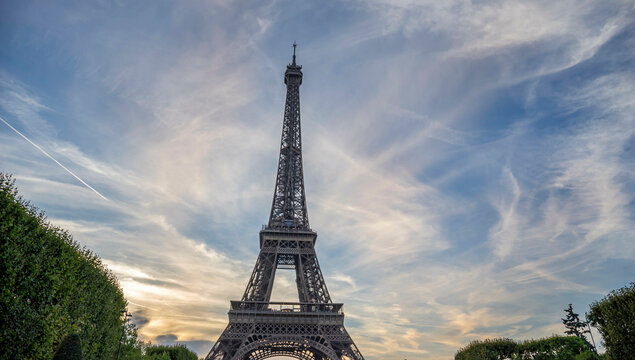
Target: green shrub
x=554, y=347
x=614, y=317
x=131, y=346
x=174, y=352
x=161, y=356
x=51, y=287
x=488, y=349
x=551, y=348
x=587, y=355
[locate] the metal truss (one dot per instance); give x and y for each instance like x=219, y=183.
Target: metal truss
x=288, y=209
x=290, y=250
x=258, y=330
x=313, y=328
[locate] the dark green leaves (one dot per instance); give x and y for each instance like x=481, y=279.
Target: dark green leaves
x=575, y=327
x=51, y=287
x=551, y=348
x=174, y=352
x=614, y=317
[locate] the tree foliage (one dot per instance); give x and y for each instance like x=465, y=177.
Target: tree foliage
x=551, y=348
x=131, y=346
x=614, y=317
x=169, y=352
x=51, y=287
x=488, y=349
x=576, y=327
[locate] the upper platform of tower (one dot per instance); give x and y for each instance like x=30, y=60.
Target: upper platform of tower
x=293, y=75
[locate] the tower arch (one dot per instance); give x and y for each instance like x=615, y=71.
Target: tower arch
x=297, y=347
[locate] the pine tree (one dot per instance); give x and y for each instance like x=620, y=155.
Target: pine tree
x=573, y=324
x=576, y=327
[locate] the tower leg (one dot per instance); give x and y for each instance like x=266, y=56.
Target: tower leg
x=261, y=281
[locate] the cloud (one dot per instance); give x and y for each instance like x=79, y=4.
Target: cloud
x=138, y=319
x=27, y=108
x=168, y=338
x=467, y=164
x=52, y=158
x=584, y=185
x=506, y=230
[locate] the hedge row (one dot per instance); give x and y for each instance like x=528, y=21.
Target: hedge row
x=551, y=348
x=170, y=352
x=51, y=287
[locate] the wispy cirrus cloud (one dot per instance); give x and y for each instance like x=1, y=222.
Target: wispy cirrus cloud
x=467, y=165
x=53, y=159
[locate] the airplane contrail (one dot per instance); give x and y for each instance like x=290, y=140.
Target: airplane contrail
x=52, y=158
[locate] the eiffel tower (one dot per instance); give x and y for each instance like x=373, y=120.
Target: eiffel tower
x=313, y=328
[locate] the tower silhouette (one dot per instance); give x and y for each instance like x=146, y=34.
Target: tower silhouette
x=313, y=328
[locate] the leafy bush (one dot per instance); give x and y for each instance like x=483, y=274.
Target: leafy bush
x=554, y=347
x=488, y=349
x=161, y=356
x=174, y=352
x=614, y=317
x=551, y=348
x=51, y=287
x=131, y=346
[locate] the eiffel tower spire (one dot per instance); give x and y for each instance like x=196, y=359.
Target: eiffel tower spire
x=313, y=328
x=288, y=209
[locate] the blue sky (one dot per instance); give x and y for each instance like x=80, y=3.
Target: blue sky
x=470, y=166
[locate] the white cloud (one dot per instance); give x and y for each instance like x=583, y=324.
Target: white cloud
x=191, y=159
x=506, y=231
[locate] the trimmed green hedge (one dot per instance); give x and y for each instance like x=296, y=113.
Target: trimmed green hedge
x=51, y=287
x=502, y=348
x=614, y=317
x=551, y=348
x=170, y=352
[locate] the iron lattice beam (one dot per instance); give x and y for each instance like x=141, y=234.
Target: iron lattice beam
x=313, y=328
x=288, y=209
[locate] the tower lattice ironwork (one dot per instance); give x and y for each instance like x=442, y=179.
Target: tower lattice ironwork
x=313, y=328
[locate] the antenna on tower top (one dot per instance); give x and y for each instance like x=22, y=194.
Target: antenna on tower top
x=294, y=46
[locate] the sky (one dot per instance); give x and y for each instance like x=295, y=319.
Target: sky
x=469, y=165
